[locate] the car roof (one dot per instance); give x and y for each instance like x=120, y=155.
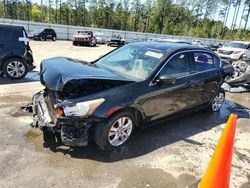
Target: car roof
x=17, y=27
x=165, y=46
x=83, y=31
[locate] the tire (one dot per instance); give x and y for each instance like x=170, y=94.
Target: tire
x=15, y=68
x=110, y=135
x=217, y=101
x=41, y=38
x=92, y=43
x=54, y=38
x=243, y=57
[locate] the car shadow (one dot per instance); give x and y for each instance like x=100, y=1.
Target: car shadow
x=147, y=140
x=32, y=76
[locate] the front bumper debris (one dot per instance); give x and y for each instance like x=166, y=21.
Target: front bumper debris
x=73, y=130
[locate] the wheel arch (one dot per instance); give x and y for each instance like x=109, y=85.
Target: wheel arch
x=8, y=58
x=138, y=113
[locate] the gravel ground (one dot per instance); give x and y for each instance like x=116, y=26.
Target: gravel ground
x=173, y=154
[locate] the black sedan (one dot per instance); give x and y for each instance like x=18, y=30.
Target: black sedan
x=133, y=86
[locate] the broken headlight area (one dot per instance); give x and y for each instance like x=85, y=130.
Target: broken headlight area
x=80, y=109
x=71, y=120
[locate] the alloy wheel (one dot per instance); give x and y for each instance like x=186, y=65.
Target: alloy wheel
x=15, y=69
x=120, y=131
x=218, y=101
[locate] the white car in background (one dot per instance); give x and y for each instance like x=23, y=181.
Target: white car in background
x=99, y=38
x=235, y=50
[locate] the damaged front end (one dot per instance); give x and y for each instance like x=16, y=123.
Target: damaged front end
x=48, y=116
x=64, y=106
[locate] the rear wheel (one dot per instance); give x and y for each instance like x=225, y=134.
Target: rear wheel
x=54, y=38
x=116, y=131
x=41, y=38
x=243, y=57
x=217, y=101
x=15, y=68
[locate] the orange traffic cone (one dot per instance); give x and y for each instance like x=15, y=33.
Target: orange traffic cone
x=218, y=171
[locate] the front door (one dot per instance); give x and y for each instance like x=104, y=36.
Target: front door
x=162, y=99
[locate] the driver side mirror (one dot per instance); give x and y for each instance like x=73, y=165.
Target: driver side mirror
x=166, y=80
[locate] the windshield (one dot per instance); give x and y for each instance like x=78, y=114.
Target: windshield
x=83, y=33
x=132, y=61
x=237, y=45
x=39, y=30
x=98, y=34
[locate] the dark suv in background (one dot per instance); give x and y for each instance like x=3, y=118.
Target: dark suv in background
x=44, y=34
x=16, y=57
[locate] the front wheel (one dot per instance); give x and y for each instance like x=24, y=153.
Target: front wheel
x=116, y=131
x=15, y=69
x=217, y=101
x=54, y=38
x=92, y=43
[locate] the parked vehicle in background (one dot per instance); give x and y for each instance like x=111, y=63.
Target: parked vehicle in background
x=135, y=85
x=116, y=40
x=99, y=38
x=240, y=80
x=84, y=37
x=44, y=34
x=200, y=43
x=214, y=46
x=235, y=50
x=16, y=57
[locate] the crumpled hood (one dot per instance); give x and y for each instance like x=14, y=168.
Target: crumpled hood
x=56, y=72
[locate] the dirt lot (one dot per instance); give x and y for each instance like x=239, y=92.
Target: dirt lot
x=173, y=154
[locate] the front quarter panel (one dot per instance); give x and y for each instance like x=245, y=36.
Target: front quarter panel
x=118, y=98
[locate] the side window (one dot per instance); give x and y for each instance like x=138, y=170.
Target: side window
x=203, y=61
x=179, y=65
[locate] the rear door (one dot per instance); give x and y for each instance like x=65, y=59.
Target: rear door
x=208, y=74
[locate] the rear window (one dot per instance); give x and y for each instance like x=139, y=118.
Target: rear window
x=203, y=61
x=216, y=62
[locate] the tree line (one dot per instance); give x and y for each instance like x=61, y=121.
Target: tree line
x=199, y=18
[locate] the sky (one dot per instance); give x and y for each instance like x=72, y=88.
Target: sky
x=230, y=17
